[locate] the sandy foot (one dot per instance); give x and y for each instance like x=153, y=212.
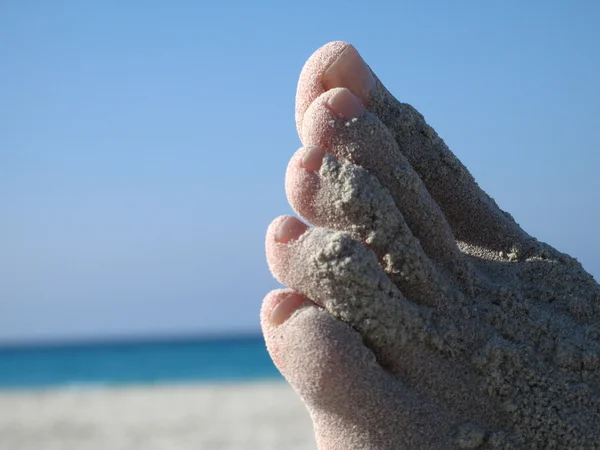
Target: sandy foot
x=420, y=314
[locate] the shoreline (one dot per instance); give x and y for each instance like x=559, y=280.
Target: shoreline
x=143, y=384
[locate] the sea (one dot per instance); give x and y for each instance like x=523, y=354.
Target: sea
x=99, y=364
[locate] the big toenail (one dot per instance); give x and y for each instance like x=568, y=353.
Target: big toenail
x=284, y=309
x=350, y=71
x=345, y=104
x=290, y=229
x=313, y=158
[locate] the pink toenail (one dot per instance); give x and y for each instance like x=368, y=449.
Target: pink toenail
x=284, y=309
x=313, y=158
x=350, y=71
x=345, y=104
x=290, y=229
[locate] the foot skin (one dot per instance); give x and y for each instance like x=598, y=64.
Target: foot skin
x=419, y=314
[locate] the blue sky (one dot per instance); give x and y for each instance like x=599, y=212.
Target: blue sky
x=143, y=145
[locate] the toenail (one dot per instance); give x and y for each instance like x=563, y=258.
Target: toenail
x=289, y=229
x=284, y=309
x=350, y=71
x=313, y=158
x=345, y=104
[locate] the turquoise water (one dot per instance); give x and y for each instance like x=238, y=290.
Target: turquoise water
x=118, y=363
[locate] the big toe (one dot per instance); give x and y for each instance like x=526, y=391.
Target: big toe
x=336, y=64
x=475, y=218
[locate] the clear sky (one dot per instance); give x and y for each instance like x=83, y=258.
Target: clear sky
x=143, y=145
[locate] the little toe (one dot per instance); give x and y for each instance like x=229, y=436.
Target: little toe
x=353, y=402
x=313, y=364
x=354, y=355
x=345, y=197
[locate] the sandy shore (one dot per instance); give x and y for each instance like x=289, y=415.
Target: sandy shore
x=265, y=415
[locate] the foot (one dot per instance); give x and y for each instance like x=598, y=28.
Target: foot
x=419, y=314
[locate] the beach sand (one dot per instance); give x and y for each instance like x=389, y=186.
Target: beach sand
x=257, y=415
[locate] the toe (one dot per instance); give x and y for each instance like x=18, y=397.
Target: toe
x=346, y=197
x=323, y=264
x=333, y=122
x=473, y=215
x=333, y=65
x=315, y=352
x=353, y=402
x=303, y=182
x=281, y=240
x=336, y=64
x=342, y=276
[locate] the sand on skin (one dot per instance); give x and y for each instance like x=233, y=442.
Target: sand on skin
x=507, y=356
x=257, y=415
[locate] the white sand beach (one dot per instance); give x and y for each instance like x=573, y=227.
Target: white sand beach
x=259, y=415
